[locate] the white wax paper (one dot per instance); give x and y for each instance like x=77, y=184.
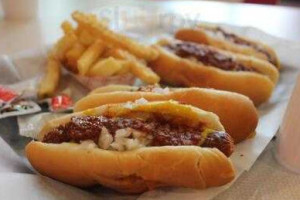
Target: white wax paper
x=26, y=66
x=31, y=125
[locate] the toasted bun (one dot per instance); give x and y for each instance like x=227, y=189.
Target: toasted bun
x=113, y=87
x=180, y=71
x=138, y=170
x=131, y=171
x=236, y=112
x=200, y=35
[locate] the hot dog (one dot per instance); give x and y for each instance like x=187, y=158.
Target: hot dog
x=134, y=147
x=236, y=112
x=190, y=64
x=223, y=39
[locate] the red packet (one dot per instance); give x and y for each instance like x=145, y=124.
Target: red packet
x=11, y=104
x=61, y=103
x=6, y=94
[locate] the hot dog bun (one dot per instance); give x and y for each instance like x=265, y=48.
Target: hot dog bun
x=203, y=34
x=186, y=72
x=134, y=171
x=236, y=112
x=131, y=171
x=113, y=88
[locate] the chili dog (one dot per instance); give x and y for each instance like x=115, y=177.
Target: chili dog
x=236, y=112
x=134, y=147
x=223, y=39
x=190, y=64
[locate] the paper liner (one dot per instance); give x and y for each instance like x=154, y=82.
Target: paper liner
x=95, y=82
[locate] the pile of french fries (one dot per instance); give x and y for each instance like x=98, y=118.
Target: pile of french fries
x=92, y=49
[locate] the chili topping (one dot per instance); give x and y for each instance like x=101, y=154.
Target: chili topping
x=241, y=41
x=160, y=131
x=207, y=56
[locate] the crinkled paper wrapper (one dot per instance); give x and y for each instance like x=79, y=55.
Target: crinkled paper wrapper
x=25, y=67
x=95, y=82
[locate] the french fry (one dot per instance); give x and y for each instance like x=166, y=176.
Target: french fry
x=79, y=29
x=95, y=21
x=118, y=53
x=90, y=56
x=115, y=39
x=86, y=38
x=106, y=67
x=62, y=46
x=92, y=19
x=50, y=81
x=125, y=68
x=137, y=67
x=67, y=27
x=80, y=50
x=73, y=55
x=140, y=70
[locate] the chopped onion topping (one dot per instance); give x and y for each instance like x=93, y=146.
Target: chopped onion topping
x=89, y=144
x=124, y=139
x=141, y=101
x=159, y=90
x=105, y=139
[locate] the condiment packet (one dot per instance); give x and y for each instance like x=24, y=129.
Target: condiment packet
x=31, y=125
x=61, y=103
x=19, y=107
x=7, y=95
x=12, y=104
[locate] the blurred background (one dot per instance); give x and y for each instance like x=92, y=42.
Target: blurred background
x=272, y=2
x=268, y=2
x=28, y=24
